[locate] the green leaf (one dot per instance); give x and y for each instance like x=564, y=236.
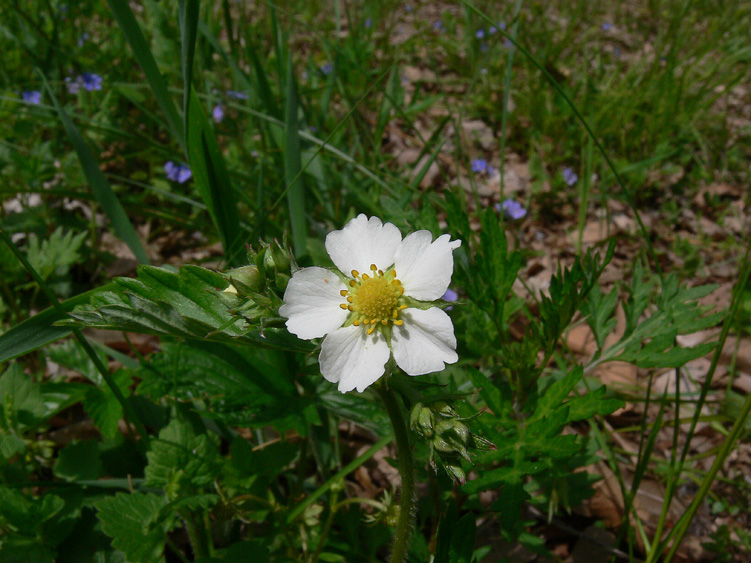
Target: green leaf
x=177, y=452
x=493, y=478
x=212, y=180
x=24, y=550
x=188, y=13
x=39, y=330
x=463, y=539
x=188, y=304
x=20, y=399
x=79, y=462
x=491, y=394
x=103, y=192
x=557, y=393
x=124, y=517
x=293, y=167
x=129, y=26
x=600, y=313
x=27, y=514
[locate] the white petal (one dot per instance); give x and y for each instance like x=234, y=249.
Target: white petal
x=425, y=269
x=425, y=342
x=363, y=242
x=353, y=358
x=311, y=303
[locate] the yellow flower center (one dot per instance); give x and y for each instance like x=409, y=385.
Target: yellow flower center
x=374, y=298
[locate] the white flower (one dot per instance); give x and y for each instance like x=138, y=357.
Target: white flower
x=368, y=312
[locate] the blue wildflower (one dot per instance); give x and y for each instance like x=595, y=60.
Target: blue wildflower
x=569, y=176
x=479, y=165
x=494, y=29
x=512, y=209
x=368, y=23
x=326, y=68
x=32, y=97
x=480, y=33
x=438, y=26
x=179, y=173
x=236, y=95
x=218, y=113
x=82, y=39
x=606, y=26
x=91, y=81
x=450, y=295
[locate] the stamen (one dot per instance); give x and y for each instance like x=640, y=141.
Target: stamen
x=350, y=307
x=343, y=306
x=371, y=329
x=380, y=272
x=373, y=267
x=356, y=322
x=365, y=277
x=355, y=274
x=399, y=322
x=344, y=292
x=352, y=283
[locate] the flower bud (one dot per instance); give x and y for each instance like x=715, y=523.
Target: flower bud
x=455, y=471
x=421, y=420
x=245, y=280
x=278, y=258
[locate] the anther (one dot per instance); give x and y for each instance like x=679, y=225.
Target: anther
x=393, y=273
x=350, y=299
x=385, y=322
x=343, y=293
x=350, y=307
x=343, y=306
x=356, y=323
x=373, y=267
x=365, y=276
x=399, y=323
x=355, y=274
x=402, y=307
x=371, y=329
x=380, y=272
x=352, y=283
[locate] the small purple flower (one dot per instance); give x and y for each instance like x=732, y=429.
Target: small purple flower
x=368, y=23
x=236, y=95
x=617, y=52
x=483, y=47
x=408, y=8
x=326, y=68
x=493, y=30
x=511, y=209
x=569, y=176
x=90, y=81
x=438, y=26
x=450, y=295
x=606, y=26
x=218, y=113
x=32, y=97
x=479, y=165
x=179, y=173
x=82, y=39
x=480, y=33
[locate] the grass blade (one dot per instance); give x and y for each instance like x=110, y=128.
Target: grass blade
x=133, y=34
x=39, y=330
x=103, y=192
x=293, y=168
x=212, y=179
x=188, y=14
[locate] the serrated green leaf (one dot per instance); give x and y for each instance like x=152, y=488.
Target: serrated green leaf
x=123, y=517
x=599, y=311
x=557, y=393
x=591, y=404
x=22, y=397
x=27, y=514
x=24, y=550
x=79, y=461
x=488, y=391
x=179, y=450
x=493, y=478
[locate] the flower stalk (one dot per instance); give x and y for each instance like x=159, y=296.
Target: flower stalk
x=407, y=472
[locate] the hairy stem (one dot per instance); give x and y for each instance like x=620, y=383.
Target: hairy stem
x=407, y=472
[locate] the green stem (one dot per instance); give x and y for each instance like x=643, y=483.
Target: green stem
x=407, y=472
